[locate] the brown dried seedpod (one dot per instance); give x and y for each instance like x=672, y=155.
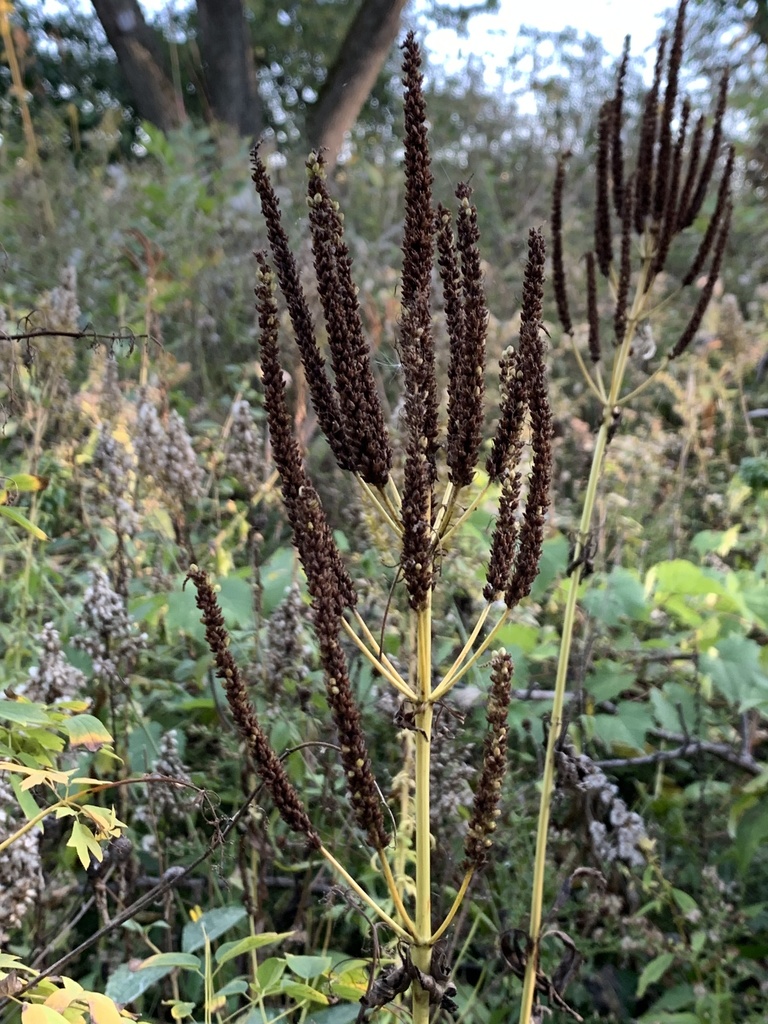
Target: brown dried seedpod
x=323, y=398
x=359, y=403
x=266, y=761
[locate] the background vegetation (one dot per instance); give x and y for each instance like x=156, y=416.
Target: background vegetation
x=133, y=436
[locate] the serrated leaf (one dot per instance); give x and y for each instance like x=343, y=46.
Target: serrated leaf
x=229, y=950
x=36, y=776
x=85, y=844
x=621, y=596
x=734, y=667
x=653, y=972
x=87, y=731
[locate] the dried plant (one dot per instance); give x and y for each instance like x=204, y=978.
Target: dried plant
x=638, y=217
x=419, y=511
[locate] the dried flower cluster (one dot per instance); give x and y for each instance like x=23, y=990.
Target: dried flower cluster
x=107, y=632
x=53, y=678
x=21, y=879
x=165, y=803
x=349, y=409
x=245, y=450
x=616, y=833
x=488, y=792
x=662, y=197
x=164, y=452
x=266, y=761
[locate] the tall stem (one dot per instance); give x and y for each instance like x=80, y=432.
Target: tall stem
x=423, y=735
x=547, y=786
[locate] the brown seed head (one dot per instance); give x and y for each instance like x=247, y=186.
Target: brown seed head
x=268, y=764
x=323, y=399
x=359, y=404
x=482, y=823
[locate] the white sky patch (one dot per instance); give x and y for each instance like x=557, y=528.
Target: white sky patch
x=491, y=37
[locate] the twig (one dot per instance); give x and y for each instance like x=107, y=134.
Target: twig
x=686, y=747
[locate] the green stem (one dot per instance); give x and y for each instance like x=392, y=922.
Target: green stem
x=422, y=737
x=621, y=359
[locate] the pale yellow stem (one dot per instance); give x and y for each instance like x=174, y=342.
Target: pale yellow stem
x=394, y=892
x=437, y=935
x=364, y=896
x=388, y=673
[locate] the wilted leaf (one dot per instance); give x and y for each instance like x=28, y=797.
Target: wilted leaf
x=87, y=731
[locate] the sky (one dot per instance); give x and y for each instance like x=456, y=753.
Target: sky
x=492, y=36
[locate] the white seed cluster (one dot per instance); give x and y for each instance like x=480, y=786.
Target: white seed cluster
x=165, y=453
x=114, y=467
x=21, y=879
x=289, y=651
x=621, y=835
x=108, y=634
x=53, y=678
x=59, y=306
x=167, y=804
x=245, y=450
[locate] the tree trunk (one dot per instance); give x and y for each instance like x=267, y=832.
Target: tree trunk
x=141, y=61
x=353, y=74
x=229, y=72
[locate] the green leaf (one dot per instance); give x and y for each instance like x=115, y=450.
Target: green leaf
x=308, y=966
x=212, y=924
x=277, y=574
x=18, y=519
x=300, y=992
x=236, y=602
x=268, y=974
x=608, y=679
x=680, y=576
x=653, y=972
x=686, y=903
x=620, y=596
x=553, y=562
x=184, y=960
x=128, y=983
x=23, y=712
x=229, y=950
x=751, y=832
x=734, y=666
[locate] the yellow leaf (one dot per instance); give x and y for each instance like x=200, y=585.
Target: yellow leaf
x=36, y=1013
x=103, y=1010
x=62, y=998
x=195, y=913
